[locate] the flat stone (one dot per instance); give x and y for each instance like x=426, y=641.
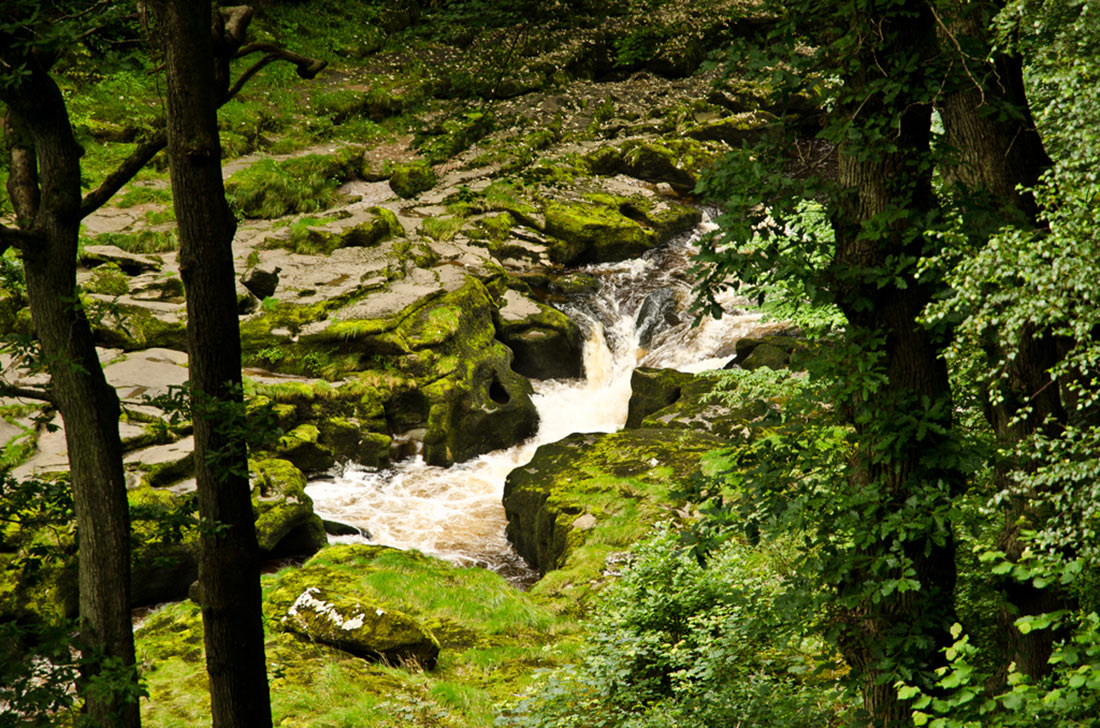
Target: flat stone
x=131, y=263
x=517, y=306
x=147, y=373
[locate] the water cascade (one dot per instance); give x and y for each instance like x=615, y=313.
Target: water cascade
x=455, y=513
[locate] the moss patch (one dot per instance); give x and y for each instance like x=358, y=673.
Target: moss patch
x=492, y=638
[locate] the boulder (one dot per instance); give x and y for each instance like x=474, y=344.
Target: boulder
x=591, y=232
x=673, y=162
x=734, y=130
x=546, y=343
x=129, y=263
x=652, y=390
x=285, y=522
x=447, y=372
x=302, y=447
x=409, y=180
x=695, y=409
x=131, y=327
x=625, y=480
x=361, y=628
x=261, y=280
x=774, y=351
x=657, y=311
x=379, y=225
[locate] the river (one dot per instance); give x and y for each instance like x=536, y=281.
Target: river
x=455, y=513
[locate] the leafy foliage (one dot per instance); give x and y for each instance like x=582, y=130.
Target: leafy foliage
x=676, y=643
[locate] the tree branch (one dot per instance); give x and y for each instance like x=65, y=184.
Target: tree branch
x=16, y=237
x=236, y=20
x=123, y=174
x=307, y=67
x=10, y=390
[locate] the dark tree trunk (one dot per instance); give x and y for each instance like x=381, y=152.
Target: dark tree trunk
x=229, y=567
x=998, y=149
x=884, y=171
x=87, y=403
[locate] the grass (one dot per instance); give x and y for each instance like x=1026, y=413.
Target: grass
x=441, y=228
x=270, y=189
x=143, y=241
x=492, y=636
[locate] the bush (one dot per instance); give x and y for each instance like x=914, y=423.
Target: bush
x=682, y=645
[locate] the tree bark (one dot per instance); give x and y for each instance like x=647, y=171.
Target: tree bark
x=998, y=152
x=884, y=172
x=48, y=205
x=229, y=573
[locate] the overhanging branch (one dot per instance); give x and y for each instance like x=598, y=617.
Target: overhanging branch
x=236, y=20
x=307, y=67
x=10, y=390
x=123, y=174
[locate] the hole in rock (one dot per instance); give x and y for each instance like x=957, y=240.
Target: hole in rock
x=498, y=393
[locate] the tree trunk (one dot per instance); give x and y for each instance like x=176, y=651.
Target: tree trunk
x=229, y=567
x=884, y=172
x=88, y=405
x=998, y=149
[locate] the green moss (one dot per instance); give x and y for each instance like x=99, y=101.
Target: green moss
x=108, y=280
x=270, y=189
x=409, y=180
x=142, y=241
x=453, y=136
x=301, y=446
x=441, y=228
x=131, y=327
x=594, y=232
x=308, y=238
x=137, y=194
x=161, y=474
x=587, y=496
x=492, y=638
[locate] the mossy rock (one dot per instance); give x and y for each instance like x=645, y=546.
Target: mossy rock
x=591, y=232
x=676, y=162
x=652, y=390
x=546, y=343
x=285, y=522
x=302, y=446
x=409, y=180
x=108, y=280
x=270, y=189
x=774, y=351
x=491, y=635
x=340, y=104
x=131, y=327
x=381, y=226
x=458, y=384
x=14, y=312
x=695, y=409
x=598, y=490
x=361, y=628
x=735, y=130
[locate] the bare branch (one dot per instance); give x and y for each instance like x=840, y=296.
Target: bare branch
x=307, y=67
x=123, y=174
x=10, y=390
x=85, y=11
x=247, y=75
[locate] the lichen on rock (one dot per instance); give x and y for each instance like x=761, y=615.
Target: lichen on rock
x=362, y=629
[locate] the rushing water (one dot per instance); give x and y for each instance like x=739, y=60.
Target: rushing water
x=456, y=512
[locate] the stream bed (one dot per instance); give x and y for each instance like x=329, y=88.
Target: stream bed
x=455, y=513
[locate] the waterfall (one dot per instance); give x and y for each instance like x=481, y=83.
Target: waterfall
x=455, y=513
